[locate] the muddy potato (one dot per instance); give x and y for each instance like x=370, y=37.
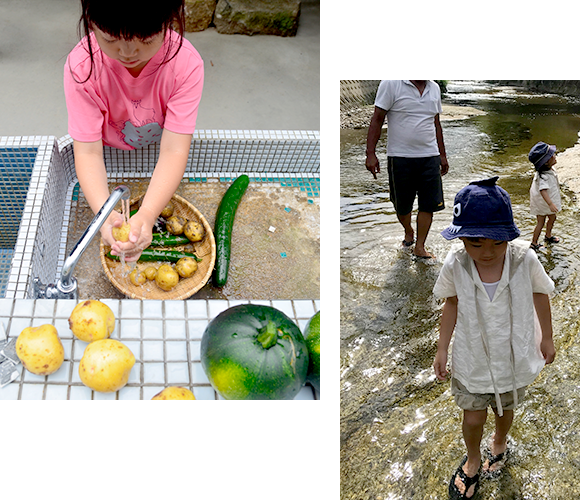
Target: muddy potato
x=175, y=224
x=137, y=277
x=186, y=267
x=92, y=320
x=194, y=230
x=106, y=365
x=122, y=233
x=150, y=273
x=40, y=349
x=174, y=393
x=166, y=277
x=167, y=211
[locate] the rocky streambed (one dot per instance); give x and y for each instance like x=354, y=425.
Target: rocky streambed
x=358, y=118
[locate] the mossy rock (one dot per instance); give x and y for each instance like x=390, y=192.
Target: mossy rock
x=198, y=14
x=251, y=17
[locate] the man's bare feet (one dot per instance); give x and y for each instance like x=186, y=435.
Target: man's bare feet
x=421, y=253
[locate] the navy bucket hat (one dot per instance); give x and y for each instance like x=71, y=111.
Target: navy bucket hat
x=482, y=210
x=541, y=153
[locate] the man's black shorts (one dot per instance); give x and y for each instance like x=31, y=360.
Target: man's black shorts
x=415, y=177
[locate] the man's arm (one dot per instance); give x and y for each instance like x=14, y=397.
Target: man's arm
x=441, y=145
x=374, y=134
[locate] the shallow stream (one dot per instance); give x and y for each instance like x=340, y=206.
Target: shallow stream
x=400, y=428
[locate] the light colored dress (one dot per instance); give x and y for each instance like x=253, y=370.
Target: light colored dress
x=549, y=181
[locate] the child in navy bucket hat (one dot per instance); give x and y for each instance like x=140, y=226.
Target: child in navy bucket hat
x=545, y=199
x=497, y=310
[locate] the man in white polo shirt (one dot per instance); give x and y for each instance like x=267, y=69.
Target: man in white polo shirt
x=415, y=153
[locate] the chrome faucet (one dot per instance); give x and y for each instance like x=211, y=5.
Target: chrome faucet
x=66, y=286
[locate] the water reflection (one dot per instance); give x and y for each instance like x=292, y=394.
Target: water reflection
x=400, y=428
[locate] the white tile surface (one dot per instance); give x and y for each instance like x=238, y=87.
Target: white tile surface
x=175, y=329
x=153, y=329
x=154, y=373
x=129, y=329
x=196, y=328
x=176, y=351
x=153, y=350
x=167, y=349
x=56, y=392
x=177, y=373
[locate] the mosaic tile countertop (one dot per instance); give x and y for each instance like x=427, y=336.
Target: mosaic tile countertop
x=164, y=336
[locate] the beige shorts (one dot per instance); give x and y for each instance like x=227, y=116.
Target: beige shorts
x=477, y=402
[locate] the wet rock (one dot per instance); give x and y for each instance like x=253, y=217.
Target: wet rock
x=198, y=14
x=250, y=17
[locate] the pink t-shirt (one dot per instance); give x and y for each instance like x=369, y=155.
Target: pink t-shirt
x=127, y=112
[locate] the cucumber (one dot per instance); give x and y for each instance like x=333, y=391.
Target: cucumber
x=153, y=254
x=224, y=223
x=168, y=240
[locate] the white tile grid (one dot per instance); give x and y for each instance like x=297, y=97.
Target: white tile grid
x=165, y=338
x=19, y=279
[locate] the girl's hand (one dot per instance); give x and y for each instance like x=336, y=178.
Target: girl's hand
x=553, y=207
x=440, y=365
x=114, y=220
x=139, y=238
x=548, y=350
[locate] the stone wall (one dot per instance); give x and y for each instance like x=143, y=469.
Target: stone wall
x=246, y=17
x=357, y=93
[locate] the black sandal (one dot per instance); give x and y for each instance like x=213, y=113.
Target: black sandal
x=500, y=459
x=468, y=482
x=552, y=239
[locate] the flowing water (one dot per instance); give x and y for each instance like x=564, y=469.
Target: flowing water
x=400, y=428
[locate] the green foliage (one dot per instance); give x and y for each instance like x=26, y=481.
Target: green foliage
x=443, y=85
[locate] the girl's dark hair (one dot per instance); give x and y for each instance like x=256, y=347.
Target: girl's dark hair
x=543, y=168
x=128, y=19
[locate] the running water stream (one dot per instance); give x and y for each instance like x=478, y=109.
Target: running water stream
x=400, y=428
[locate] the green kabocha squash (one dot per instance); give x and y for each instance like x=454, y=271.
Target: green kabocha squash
x=312, y=338
x=253, y=351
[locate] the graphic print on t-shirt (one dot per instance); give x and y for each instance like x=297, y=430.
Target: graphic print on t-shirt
x=142, y=129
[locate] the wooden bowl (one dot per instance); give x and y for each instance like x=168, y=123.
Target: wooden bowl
x=186, y=287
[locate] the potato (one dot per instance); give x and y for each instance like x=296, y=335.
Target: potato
x=92, y=320
x=40, y=349
x=122, y=233
x=175, y=224
x=150, y=272
x=106, y=365
x=166, y=277
x=194, y=230
x=167, y=211
x=137, y=277
x=186, y=267
x=174, y=393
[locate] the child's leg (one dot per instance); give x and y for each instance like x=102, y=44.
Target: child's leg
x=538, y=229
x=550, y=225
x=473, y=422
x=499, y=438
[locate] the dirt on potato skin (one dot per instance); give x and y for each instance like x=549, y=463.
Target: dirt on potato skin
x=282, y=264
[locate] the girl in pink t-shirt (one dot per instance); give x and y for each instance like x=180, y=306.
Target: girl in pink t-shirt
x=132, y=81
